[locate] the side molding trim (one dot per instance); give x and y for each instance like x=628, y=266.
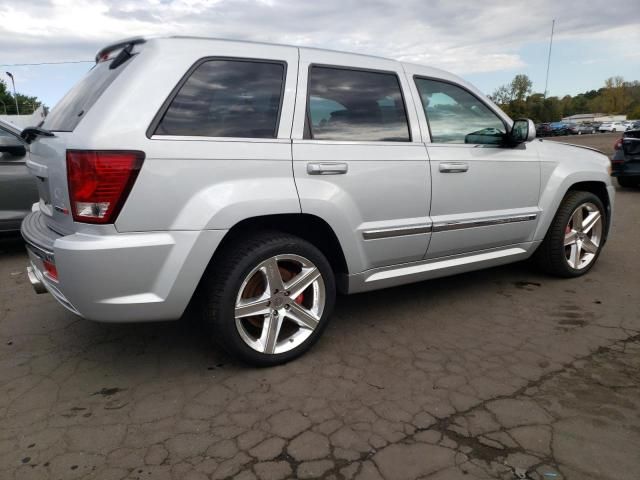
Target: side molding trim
x=396, y=232
x=444, y=226
x=442, y=264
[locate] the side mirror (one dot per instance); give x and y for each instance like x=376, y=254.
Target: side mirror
x=523, y=130
x=13, y=146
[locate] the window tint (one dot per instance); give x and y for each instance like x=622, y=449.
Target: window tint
x=73, y=107
x=227, y=98
x=4, y=133
x=456, y=116
x=356, y=105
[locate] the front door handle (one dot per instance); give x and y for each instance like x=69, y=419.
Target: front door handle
x=454, y=167
x=327, y=168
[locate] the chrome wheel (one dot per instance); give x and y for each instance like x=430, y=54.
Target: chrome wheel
x=280, y=304
x=583, y=235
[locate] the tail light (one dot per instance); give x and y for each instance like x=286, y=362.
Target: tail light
x=618, y=144
x=50, y=269
x=100, y=182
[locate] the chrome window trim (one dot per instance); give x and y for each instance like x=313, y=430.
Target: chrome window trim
x=194, y=138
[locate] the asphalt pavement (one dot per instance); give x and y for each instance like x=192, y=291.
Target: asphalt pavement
x=503, y=373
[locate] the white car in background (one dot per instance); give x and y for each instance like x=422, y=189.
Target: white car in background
x=612, y=127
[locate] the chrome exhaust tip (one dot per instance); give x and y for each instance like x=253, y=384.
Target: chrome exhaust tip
x=36, y=283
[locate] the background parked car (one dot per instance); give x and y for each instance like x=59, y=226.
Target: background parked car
x=596, y=126
x=543, y=130
x=612, y=127
x=580, y=128
x=559, y=128
x=625, y=163
x=18, y=190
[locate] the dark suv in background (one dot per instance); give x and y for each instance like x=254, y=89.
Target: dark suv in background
x=625, y=163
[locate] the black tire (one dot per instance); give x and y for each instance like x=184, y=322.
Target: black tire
x=224, y=278
x=550, y=256
x=629, y=182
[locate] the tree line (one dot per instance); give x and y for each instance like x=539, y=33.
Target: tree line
x=617, y=96
x=26, y=104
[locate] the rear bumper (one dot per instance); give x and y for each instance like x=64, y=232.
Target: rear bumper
x=123, y=277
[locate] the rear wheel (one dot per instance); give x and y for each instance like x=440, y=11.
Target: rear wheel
x=628, y=182
x=269, y=298
x=575, y=238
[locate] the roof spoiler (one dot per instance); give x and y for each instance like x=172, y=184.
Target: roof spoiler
x=127, y=42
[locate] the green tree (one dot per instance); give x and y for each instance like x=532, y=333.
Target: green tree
x=617, y=96
x=520, y=87
x=27, y=104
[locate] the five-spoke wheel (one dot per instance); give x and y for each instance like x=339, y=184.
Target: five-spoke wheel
x=575, y=237
x=583, y=235
x=268, y=297
x=280, y=303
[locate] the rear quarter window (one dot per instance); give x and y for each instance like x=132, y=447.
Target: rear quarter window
x=227, y=98
x=73, y=107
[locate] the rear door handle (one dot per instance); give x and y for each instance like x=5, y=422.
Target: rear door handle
x=454, y=167
x=327, y=168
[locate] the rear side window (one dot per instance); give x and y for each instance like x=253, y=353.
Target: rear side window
x=227, y=98
x=356, y=105
x=68, y=112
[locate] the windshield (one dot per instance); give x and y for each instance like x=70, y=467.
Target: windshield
x=68, y=112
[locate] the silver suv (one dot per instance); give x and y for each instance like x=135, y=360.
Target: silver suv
x=260, y=179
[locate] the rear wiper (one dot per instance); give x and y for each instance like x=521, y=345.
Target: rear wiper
x=30, y=133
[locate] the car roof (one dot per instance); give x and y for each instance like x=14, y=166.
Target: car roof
x=424, y=69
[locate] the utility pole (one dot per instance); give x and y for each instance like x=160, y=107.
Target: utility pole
x=546, y=82
x=15, y=97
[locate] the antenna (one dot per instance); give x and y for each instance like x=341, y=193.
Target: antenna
x=546, y=82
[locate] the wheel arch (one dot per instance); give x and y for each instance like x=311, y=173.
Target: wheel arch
x=309, y=227
x=597, y=187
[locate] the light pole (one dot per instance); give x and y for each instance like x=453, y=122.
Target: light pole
x=15, y=97
x=546, y=82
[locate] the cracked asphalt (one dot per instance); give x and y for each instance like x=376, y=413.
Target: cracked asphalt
x=503, y=373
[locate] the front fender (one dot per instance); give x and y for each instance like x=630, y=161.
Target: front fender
x=563, y=166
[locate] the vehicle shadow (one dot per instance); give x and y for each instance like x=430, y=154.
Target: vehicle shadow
x=11, y=242
x=188, y=344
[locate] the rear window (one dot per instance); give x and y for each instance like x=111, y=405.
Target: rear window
x=227, y=98
x=356, y=105
x=73, y=107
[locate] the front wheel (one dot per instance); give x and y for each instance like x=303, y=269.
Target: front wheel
x=268, y=298
x=575, y=238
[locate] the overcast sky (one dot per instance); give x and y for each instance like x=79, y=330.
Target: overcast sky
x=487, y=42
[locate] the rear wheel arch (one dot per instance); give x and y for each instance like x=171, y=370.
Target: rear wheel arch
x=311, y=228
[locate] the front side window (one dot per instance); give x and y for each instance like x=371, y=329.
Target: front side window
x=356, y=105
x=227, y=98
x=456, y=116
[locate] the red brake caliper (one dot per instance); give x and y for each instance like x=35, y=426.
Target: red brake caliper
x=299, y=299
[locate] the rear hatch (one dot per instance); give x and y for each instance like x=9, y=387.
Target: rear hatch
x=631, y=145
x=47, y=154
